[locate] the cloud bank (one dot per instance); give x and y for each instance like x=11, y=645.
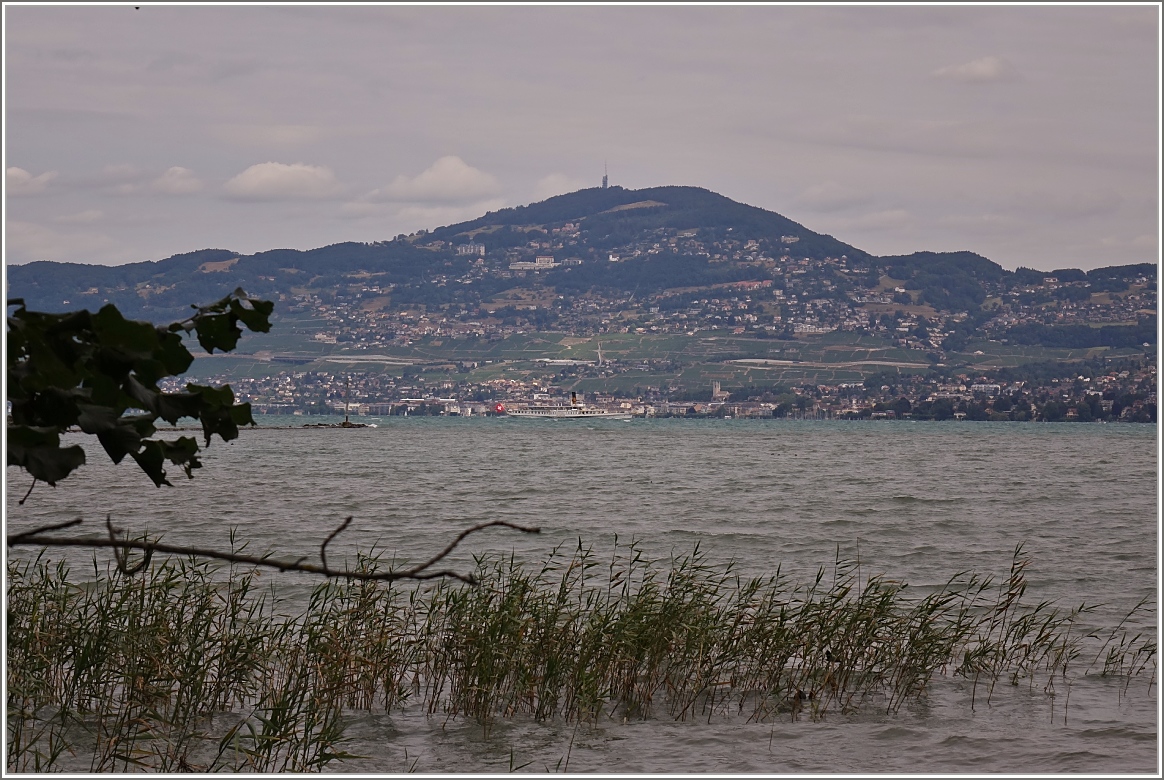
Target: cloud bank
x=21, y=182
x=279, y=181
x=448, y=180
x=177, y=181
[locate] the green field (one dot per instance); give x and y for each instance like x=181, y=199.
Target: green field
x=699, y=360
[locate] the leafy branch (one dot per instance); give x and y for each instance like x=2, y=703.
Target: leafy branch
x=100, y=372
x=121, y=547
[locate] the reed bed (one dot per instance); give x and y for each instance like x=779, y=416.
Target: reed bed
x=189, y=667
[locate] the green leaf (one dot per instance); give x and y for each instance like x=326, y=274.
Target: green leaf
x=217, y=331
x=256, y=317
x=85, y=369
x=133, y=340
x=174, y=406
x=143, y=396
x=38, y=451
x=172, y=353
x=240, y=414
x=97, y=419
x=152, y=463
x=120, y=441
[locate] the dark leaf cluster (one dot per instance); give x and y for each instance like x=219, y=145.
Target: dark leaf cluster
x=99, y=372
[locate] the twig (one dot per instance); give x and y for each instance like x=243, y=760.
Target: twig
x=15, y=538
x=121, y=546
x=29, y=493
x=461, y=537
x=332, y=535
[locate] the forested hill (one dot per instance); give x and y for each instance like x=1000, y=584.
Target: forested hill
x=615, y=216
x=660, y=243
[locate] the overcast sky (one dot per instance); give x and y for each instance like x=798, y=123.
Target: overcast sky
x=1027, y=134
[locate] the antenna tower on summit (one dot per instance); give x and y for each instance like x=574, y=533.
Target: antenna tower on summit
x=605, y=179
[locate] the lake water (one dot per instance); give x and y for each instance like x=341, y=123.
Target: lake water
x=920, y=501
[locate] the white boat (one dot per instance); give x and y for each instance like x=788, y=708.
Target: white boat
x=571, y=411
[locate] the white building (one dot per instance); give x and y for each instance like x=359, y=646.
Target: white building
x=471, y=249
x=540, y=262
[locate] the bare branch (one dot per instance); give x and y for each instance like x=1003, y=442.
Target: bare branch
x=418, y=569
x=121, y=547
x=29, y=493
x=44, y=528
x=332, y=535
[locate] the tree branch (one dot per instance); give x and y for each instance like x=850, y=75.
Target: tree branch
x=29, y=493
x=121, y=546
x=327, y=541
x=16, y=538
x=461, y=537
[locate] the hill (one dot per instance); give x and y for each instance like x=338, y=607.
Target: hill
x=609, y=219
x=660, y=259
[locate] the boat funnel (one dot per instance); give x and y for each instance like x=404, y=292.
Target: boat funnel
x=573, y=398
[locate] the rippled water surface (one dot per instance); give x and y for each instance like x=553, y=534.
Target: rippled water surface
x=919, y=501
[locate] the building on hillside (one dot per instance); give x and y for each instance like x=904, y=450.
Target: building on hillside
x=541, y=262
x=989, y=389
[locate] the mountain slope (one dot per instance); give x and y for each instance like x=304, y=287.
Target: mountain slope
x=662, y=243
x=619, y=212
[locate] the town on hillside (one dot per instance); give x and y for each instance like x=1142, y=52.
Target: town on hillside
x=666, y=301
x=1109, y=391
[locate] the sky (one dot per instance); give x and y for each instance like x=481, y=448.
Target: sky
x=1028, y=134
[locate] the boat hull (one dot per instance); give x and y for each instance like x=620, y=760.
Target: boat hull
x=566, y=413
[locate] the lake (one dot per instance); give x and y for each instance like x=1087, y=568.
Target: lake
x=915, y=501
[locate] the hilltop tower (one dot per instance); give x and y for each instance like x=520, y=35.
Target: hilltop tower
x=605, y=178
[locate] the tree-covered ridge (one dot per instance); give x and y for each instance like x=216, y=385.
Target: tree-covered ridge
x=162, y=288
x=681, y=208
x=659, y=248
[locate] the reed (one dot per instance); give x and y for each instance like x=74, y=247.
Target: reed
x=185, y=666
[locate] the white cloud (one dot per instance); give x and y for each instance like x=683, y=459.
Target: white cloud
x=21, y=182
x=279, y=181
x=830, y=196
x=980, y=71
x=558, y=184
x=448, y=180
x=177, y=181
x=82, y=217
